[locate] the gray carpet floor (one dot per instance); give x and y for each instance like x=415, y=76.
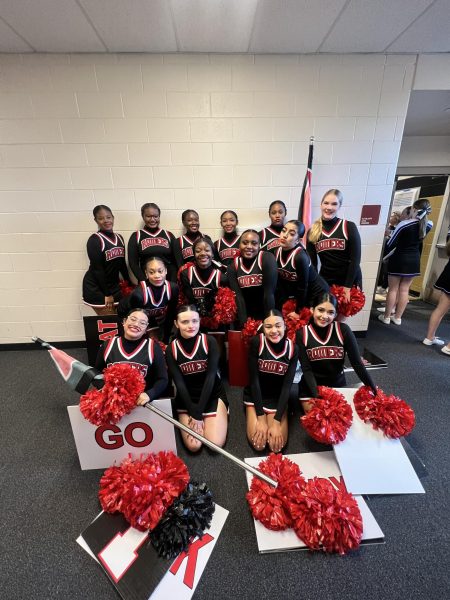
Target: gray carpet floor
x=47, y=500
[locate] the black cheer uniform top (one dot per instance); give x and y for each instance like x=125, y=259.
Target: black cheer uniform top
x=143, y=354
x=193, y=363
x=106, y=252
x=228, y=247
x=160, y=304
x=297, y=278
x=270, y=237
x=404, y=247
x=322, y=353
x=145, y=243
x=339, y=251
x=183, y=248
x=272, y=370
x=254, y=284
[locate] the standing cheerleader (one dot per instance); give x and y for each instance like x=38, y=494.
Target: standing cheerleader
x=193, y=361
x=106, y=252
x=228, y=245
x=135, y=349
x=403, y=248
x=272, y=363
x=183, y=248
x=269, y=236
x=158, y=297
x=297, y=278
x=322, y=346
x=338, y=245
x=200, y=281
x=151, y=241
x=253, y=278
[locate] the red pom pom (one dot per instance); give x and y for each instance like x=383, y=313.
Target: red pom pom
x=249, y=330
x=294, y=324
x=143, y=489
x=268, y=504
x=125, y=287
x=330, y=418
x=326, y=517
x=390, y=414
x=357, y=300
x=123, y=384
x=225, y=310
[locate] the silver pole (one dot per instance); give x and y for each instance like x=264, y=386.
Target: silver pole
x=211, y=445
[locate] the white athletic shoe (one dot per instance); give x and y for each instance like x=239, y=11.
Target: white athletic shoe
x=380, y=290
x=396, y=321
x=445, y=350
x=383, y=319
x=435, y=341
x=381, y=309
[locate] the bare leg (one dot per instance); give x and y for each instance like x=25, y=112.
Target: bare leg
x=391, y=298
x=190, y=442
x=437, y=315
x=403, y=296
x=284, y=430
x=251, y=427
x=215, y=428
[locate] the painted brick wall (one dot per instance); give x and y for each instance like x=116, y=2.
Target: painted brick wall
x=204, y=131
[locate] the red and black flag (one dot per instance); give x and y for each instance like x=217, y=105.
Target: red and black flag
x=304, y=208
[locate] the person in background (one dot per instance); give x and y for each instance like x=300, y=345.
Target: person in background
x=269, y=236
x=382, y=282
x=228, y=245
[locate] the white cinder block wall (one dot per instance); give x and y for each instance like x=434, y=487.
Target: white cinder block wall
x=208, y=132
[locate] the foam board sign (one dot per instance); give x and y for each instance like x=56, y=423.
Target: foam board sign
x=372, y=463
x=312, y=464
x=133, y=566
x=141, y=431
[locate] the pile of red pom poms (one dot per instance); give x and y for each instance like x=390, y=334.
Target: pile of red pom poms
x=294, y=324
x=249, y=330
x=390, y=414
x=321, y=515
x=142, y=490
x=357, y=300
x=224, y=310
x=123, y=384
x=330, y=418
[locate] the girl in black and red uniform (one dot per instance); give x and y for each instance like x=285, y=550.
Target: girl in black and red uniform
x=337, y=243
x=228, y=245
x=183, y=247
x=269, y=236
x=151, y=241
x=142, y=353
x=322, y=346
x=158, y=297
x=193, y=361
x=106, y=252
x=272, y=363
x=297, y=278
x=253, y=277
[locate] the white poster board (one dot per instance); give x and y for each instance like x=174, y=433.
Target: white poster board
x=312, y=464
x=142, y=431
x=405, y=198
x=372, y=463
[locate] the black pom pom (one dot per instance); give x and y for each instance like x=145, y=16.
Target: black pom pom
x=187, y=518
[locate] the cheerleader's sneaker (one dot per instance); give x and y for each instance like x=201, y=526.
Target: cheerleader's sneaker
x=383, y=319
x=396, y=321
x=434, y=342
x=446, y=350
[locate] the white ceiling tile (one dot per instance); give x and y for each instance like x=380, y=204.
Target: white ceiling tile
x=10, y=41
x=292, y=25
x=51, y=25
x=368, y=26
x=133, y=25
x=430, y=33
x=213, y=25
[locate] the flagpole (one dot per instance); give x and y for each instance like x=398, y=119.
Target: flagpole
x=212, y=445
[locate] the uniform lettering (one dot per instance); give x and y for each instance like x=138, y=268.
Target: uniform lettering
x=141, y=368
x=287, y=275
x=330, y=244
x=187, y=252
x=194, y=366
x=250, y=280
x=114, y=253
x=191, y=555
x=322, y=352
x=272, y=366
x=273, y=244
x=228, y=253
x=200, y=292
x=157, y=241
x=115, y=439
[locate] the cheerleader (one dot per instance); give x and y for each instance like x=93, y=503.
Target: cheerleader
x=183, y=247
x=135, y=349
x=106, y=252
x=297, y=278
x=228, y=245
x=322, y=346
x=443, y=285
x=272, y=363
x=158, y=297
x=200, y=281
x=403, y=256
x=150, y=241
x=193, y=360
x=269, y=236
x=253, y=278
x=338, y=245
